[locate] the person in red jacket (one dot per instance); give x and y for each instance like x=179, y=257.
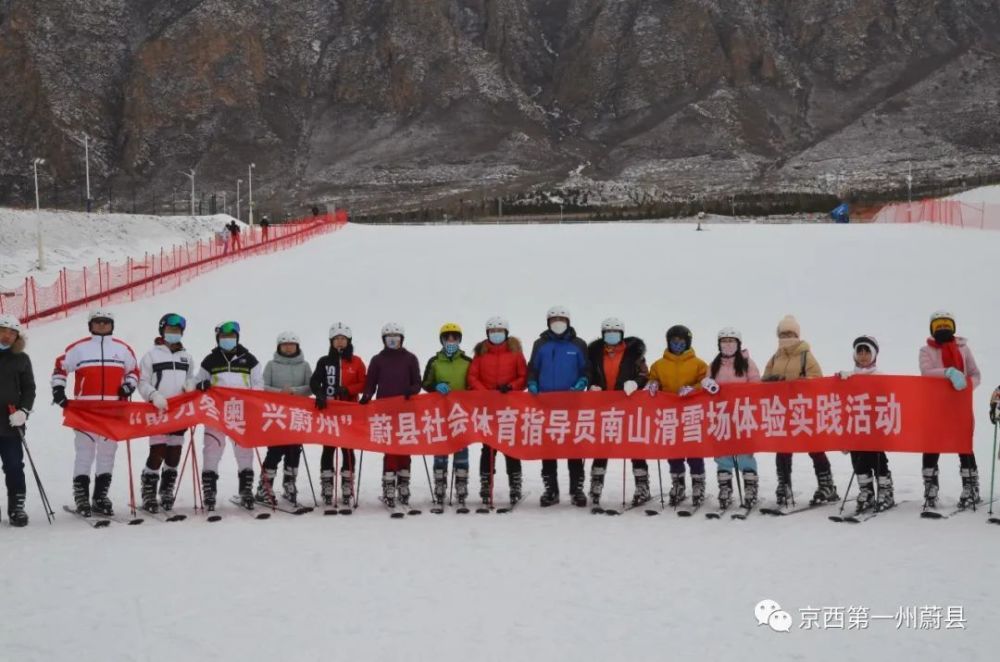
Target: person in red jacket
x=498, y=365
x=105, y=369
x=339, y=375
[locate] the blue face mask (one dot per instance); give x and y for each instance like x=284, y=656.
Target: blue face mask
x=173, y=338
x=450, y=348
x=392, y=342
x=227, y=344
x=4, y=347
x=677, y=346
x=612, y=337
x=497, y=337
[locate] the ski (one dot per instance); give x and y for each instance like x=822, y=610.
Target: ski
x=597, y=510
x=513, y=504
x=462, y=509
x=394, y=511
x=744, y=511
x=289, y=509
x=94, y=522
x=864, y=515
x=927, y=513
x=437, y=508
x=717, y=513
x=130, y=521
x=165, y=516
x=993, y=520
x=236, y=501
x=332, y=509
x=689, y=512
x=485, y=509
x=779, y=512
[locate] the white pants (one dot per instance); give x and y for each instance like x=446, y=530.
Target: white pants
x=215, y=443
x=168, y=439
x=88, y=446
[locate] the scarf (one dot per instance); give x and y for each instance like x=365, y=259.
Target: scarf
x=951, y=354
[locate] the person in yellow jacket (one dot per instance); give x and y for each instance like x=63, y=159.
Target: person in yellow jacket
x=680, y=371
x=794, y=360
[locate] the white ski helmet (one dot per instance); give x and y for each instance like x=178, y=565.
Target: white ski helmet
x=497, y=322
x=557, y=311
x=288, y=336
x=100, y=313
x=10, y=322
x=393, y=329
x=340, y=329
x=612, y=324
x=731, y=332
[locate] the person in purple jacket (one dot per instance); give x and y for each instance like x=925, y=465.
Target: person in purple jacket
x=392, y=372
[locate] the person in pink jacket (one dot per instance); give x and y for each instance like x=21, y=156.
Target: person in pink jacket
x=733, y=365
x=947, y=355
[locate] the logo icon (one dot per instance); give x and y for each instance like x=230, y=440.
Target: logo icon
x=768, y=612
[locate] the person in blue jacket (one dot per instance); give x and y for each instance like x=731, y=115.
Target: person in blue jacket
x=559, y=363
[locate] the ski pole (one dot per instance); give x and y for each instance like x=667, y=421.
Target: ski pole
x=357, y=492
x=659, y=472
x=493, y=466
x=993, y=468
x=180, y=474
x=199, y=495
x=43, y=497
x=624, y=461
x=131, y=481
x=738, y=477
x=847, y=493
x=428, y=472
x=305, y=461
x=451, y=490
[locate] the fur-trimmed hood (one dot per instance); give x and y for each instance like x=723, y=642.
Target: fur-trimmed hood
x=483, y=346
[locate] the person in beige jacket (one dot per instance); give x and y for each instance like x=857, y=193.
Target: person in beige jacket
x=794, y=360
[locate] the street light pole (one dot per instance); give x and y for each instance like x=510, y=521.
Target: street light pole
x=86, y=160
x=250, y=191
x=238, y=182
x=909, y=183
x=38, y=206
x=224, y=202
x=190, y=175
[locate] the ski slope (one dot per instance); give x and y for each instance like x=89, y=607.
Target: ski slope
x=559, y=584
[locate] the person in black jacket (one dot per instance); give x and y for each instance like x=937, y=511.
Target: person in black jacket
x=17, y=396
x=617, y=363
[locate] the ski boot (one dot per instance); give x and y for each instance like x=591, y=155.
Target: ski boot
x=826, y=491
x=885, y=499
x=641, y=494
x=245, y=483
x=326, y=486
x=866, y=493
x=389, y=489
x=15, y=509
x=403, y=486
x=209, y=486
x=81, y=495
x=970, y=489
x=168, y=481
x=485, y=488
x=150, y=480
x=289, y=491
x=461, y=486
x=783, y=493
x=346, y=486
x=930, y=487
x=265, y=487
x=440, y=486
x=514, y=483
x=677, y=490
x=725, y=489
x=100, y=502
x=550, y=496
x=596, y=485
x=697, y=489
x=578, y=496
x=750, y=489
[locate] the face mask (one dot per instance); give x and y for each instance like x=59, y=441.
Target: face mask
x=450, y=348
x=3, y=346
x=172, y=338
x=497, y=337
x=227, y=344
x=944, y=335
x=788, y=343
x=558, y=328
x=729, y=347
x=677, y=346
x=393, y=342
x=612, y=337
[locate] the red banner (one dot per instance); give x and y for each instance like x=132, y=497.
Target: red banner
x=897, y=414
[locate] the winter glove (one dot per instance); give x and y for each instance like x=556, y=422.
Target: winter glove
x=18, y=418
x=190, y=385
x=994, y=401
x=845, y=374
x=320, y=403
x=442, y=388
x=365, y=399
x=341, y=392
x=653, y=388
x=125, y=391
x=630, y=387
x=59, y=396
x=504, y=388
x=685, y=391
x=710, y=385
x=580, y=385
x=158, y=401
x=533, y=388
x=595, y=387
x=204, y=385
x=956, y=377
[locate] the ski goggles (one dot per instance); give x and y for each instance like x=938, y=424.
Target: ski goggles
x=175, y=320
x=228, y=328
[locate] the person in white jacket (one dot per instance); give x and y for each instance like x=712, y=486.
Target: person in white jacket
x=165, y=370
x=231, y=365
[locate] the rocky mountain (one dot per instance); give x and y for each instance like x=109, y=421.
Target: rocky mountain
x=397, y=103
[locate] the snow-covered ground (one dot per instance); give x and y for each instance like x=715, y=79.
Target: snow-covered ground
x=983, y=194
x=76, y=239
x=559, y=584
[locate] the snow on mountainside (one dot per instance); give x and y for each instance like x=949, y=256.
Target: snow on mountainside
x=76, y=239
